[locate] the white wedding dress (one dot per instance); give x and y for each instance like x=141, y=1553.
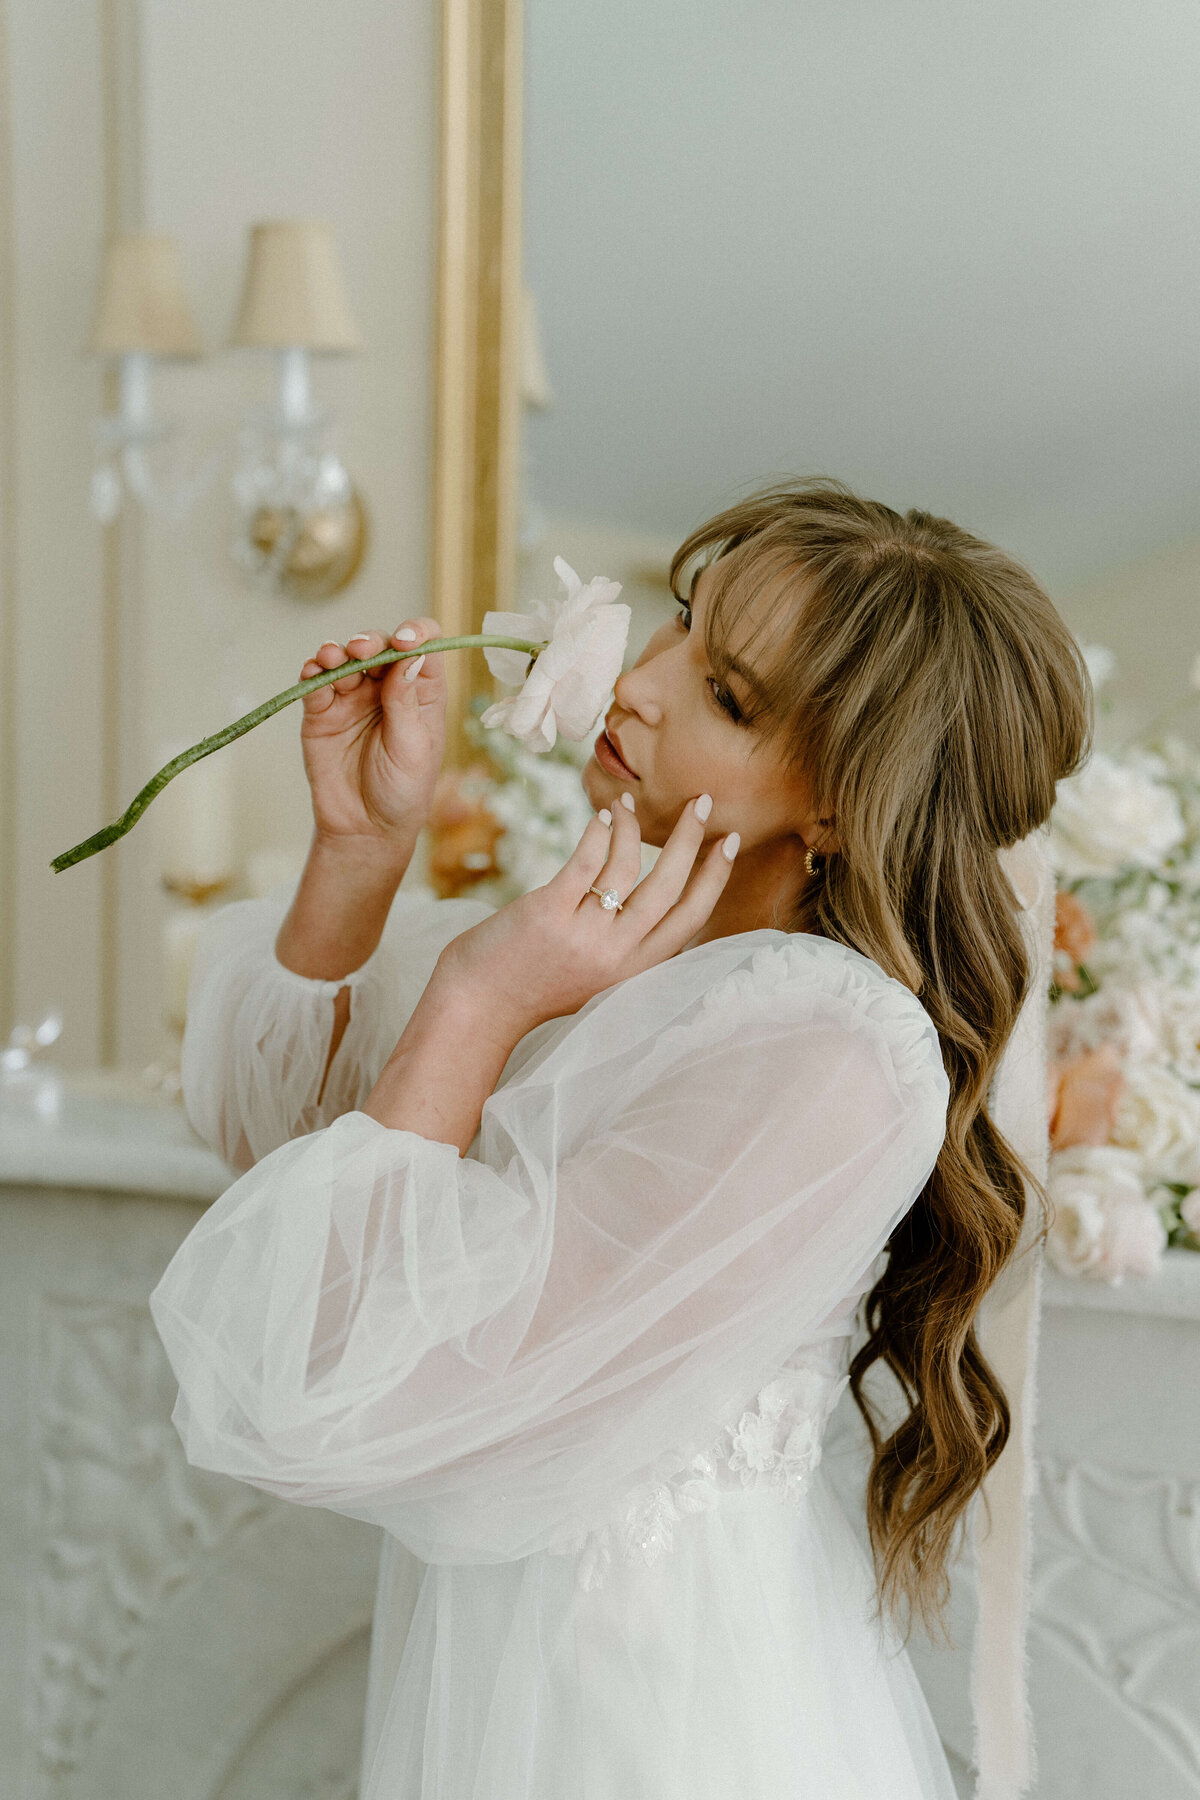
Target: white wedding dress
x=579, y=1376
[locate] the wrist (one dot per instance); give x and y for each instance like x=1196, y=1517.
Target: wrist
x=373, y=857
x=461, y=1006
x=485, y=1008
x=339, y=909
x=448, y=1060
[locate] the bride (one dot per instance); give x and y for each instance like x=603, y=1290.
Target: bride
x=555, y=1221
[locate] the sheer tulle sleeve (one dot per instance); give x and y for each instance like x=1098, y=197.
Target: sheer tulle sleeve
x=258, y=1034
x=669, y=1194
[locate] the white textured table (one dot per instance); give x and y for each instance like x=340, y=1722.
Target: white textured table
x=171, y=1635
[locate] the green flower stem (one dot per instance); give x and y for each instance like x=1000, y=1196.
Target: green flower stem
x=100, y=840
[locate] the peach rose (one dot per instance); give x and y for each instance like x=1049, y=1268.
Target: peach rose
x=1074, y=939
x=1085, y=1093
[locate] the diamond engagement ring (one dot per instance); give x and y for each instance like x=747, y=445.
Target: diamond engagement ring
x=609, y=898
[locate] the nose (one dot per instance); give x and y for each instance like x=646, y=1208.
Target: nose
x=635, y=692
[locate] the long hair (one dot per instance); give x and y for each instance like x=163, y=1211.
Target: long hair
x=932, y=697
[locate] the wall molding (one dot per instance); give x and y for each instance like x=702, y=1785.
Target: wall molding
x=124, y=1522
x=121, y=588
x=1117, y=1593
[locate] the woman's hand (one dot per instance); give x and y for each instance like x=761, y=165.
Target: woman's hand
x=540, y=957
x=544, y=955
x=373, y=743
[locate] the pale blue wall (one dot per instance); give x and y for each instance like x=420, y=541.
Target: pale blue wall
x=947, y=250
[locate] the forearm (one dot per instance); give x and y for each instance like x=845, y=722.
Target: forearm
x=337, y=917
x=340, y=907
x=445, y=1065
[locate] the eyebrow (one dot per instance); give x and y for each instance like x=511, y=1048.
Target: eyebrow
x=752, y=681
x=730, y=665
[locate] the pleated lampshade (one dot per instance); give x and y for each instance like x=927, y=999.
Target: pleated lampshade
x=142, y=305
x=294, y=296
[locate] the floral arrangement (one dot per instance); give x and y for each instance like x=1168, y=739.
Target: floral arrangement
x=507, y=824
x=1124, y=1030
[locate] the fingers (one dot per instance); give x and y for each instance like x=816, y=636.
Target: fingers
x=623, y=867
x=364, y=644
x=582, y=868
x=669, y=876
x=685, y=918
x=418, y=680
x=330, y=656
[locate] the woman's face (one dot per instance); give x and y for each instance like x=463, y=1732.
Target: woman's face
x=674, y=731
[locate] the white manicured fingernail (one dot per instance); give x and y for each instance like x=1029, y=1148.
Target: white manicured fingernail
x=360, y=637
x=627, y=802
x=414, y=668
x=703, y=807
x=729, y=848
x=330, y=644
x=604, y=816
x=407, y=635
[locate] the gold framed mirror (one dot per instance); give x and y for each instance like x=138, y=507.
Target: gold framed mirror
x=476, y=403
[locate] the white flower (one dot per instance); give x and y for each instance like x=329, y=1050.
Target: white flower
x=1111, y=816
x=1128, y=1017
x=1180, y=1011
x=1159, y=1117
x=568, y=685
x=754, y=1450
x=1103, y=1227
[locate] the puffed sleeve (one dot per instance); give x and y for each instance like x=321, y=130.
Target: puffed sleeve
x=258, y=1035
x=669, y=1193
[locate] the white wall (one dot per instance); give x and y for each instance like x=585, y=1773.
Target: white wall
x=231, y=111
x=53, y=603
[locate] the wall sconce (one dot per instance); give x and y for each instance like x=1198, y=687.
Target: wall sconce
x=302, y=526
x=142, y=314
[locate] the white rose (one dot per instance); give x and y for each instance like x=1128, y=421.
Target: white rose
x=1129, y=1017
x=1111, y=816
x=1103, y=1226
x=1159, y=1117
x=569, y=683
x=1180, y=1028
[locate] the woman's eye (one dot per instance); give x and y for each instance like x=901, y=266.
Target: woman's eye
x=726, y=701
x=685, y=614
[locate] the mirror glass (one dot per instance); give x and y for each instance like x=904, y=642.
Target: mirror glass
x=948, y=254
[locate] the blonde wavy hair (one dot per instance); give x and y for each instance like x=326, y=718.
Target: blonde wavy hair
x=933, y=698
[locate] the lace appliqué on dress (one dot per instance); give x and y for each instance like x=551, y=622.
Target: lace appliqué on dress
x=776, y=1444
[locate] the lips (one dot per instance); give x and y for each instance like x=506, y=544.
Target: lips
x=608, y=755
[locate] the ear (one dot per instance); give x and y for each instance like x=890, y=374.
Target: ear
x=820, y=836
